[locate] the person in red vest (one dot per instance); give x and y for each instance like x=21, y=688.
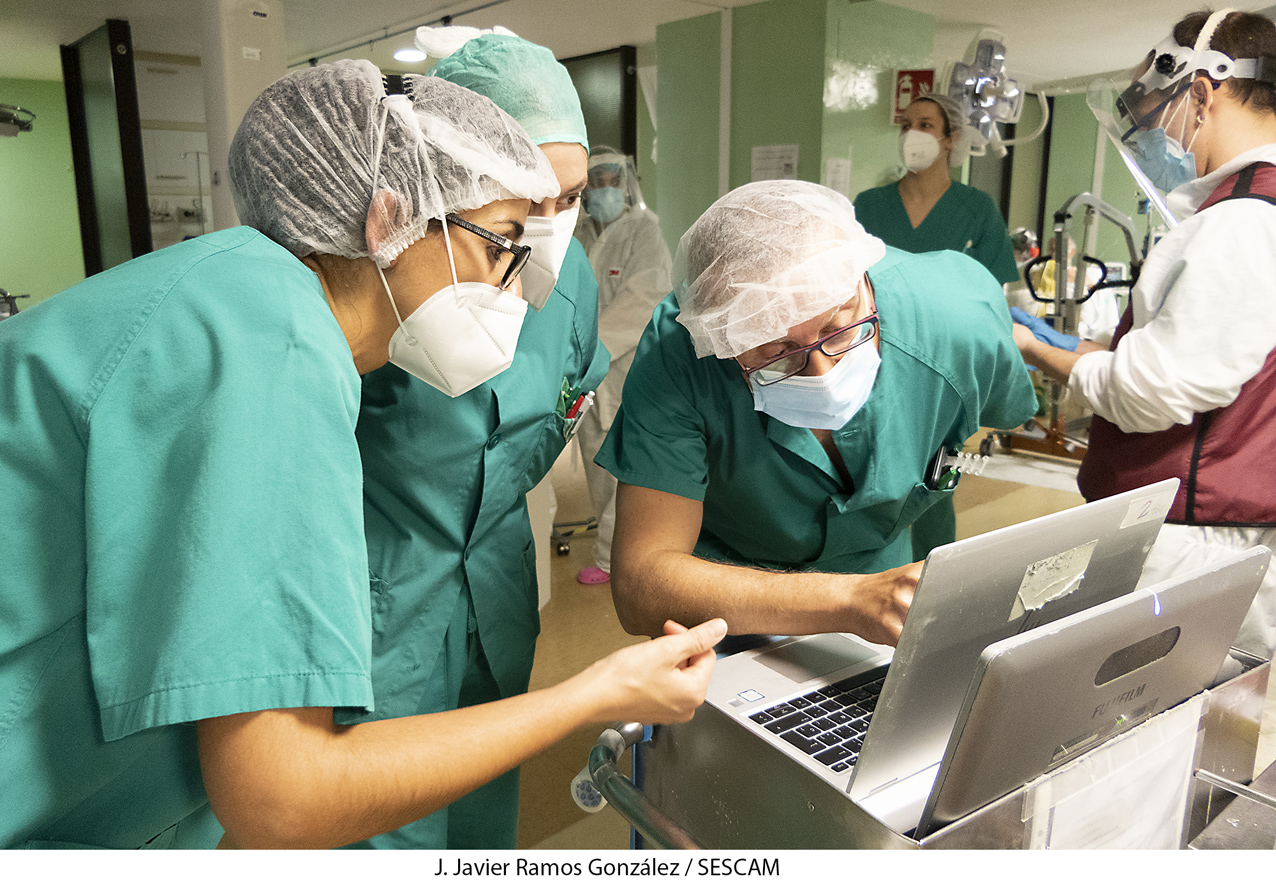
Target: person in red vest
x=1187, y=388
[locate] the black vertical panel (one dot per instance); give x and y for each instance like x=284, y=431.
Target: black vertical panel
x=607, y=83
x=84, y=201
x=1007, y=172
x=106, y=146
x=130, y=123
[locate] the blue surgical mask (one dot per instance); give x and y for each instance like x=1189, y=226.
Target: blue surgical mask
x=606, y=204
x=822, y=402
x=1162, y=158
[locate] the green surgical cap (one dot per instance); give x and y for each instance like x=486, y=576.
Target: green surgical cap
x=525, y=81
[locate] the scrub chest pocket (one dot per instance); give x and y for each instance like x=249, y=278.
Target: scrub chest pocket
x=920, y=499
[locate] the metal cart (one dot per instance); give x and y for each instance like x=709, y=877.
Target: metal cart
x=697, y=792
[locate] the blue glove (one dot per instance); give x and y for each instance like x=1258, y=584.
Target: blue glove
x=1043, y=331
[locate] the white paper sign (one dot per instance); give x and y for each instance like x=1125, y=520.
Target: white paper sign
x=774, y=162
x=837, y=174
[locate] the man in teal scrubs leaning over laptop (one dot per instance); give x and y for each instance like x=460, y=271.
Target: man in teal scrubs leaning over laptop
x=783, y=422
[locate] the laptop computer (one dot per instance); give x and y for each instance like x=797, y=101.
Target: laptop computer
x=811, y=697
x=1040, y=699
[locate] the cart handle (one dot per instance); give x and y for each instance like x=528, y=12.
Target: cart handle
x=1239, y=789
x=602, y=777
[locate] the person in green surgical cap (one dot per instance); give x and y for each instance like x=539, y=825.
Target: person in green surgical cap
x=446, y=473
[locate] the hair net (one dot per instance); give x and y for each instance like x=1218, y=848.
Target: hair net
x=317, y=145
x=524, y=79
x=764, y=258
x=956, y=124
x=605, y=163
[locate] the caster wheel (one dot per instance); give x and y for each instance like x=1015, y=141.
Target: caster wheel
x=985, y=446
x=564, y=549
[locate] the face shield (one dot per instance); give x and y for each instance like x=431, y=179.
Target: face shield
x=613, y=185
x=1146, y=120
x=1102, y=98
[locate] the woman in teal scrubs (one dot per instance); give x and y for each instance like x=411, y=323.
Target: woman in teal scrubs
x=451, y=553
x=764, y=477
x=185, y=593
x=926, y=211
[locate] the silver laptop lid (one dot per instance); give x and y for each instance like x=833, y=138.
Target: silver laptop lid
x=978, y=591
x=1044, y=697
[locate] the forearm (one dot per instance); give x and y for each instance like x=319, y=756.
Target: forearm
x=1056, y=362
x=683, y=587
x=316, y=784
x=655, y=577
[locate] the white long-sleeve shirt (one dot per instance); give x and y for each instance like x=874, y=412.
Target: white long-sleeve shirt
x=1204, y=313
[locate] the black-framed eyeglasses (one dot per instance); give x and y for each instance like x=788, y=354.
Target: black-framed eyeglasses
x=519, y=253
x=837, y=343
x=1127, y=101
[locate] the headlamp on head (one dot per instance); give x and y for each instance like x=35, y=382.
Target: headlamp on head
x=1173, y=64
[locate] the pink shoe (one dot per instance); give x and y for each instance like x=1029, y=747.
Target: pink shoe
x=592, y=576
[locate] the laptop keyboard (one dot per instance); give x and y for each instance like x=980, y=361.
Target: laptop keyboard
x=828, y=724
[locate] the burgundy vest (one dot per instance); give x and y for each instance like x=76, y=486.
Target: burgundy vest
x=1225, y=459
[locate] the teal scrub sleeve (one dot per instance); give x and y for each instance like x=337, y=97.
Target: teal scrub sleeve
x=227, y=563
x=963, y=333
x=658, y=437
x=1004, y=396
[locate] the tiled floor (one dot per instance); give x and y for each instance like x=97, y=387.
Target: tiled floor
x=579, y=625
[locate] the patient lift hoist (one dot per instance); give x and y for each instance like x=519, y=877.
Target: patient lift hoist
x=1050, y=435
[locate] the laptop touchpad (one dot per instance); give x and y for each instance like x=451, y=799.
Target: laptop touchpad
x=813, y=656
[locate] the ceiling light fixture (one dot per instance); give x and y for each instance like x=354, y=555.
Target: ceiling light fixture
x=410, y=55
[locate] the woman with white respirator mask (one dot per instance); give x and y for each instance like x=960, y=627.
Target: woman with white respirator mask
x=925, y=211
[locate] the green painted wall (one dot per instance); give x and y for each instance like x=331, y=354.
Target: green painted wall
x=687, y=60
x=866, y=42
x=777, y=81
x=1072, y=152
x=40, y=251
x=1071, y=155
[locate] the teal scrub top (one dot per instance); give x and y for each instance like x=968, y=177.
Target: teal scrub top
x=445, y=491
x=964, y=220
x=181, y=504
x=772, y=497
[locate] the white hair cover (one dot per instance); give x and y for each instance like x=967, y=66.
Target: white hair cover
x=766, y=257
x=318, y=145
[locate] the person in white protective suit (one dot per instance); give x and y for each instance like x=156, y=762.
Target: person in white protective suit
x=634, y=272
x=1188, y=387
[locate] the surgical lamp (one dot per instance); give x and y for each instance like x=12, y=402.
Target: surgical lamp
x=14, y=120
x=987, y=95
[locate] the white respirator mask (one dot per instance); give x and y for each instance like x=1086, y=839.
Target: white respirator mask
x=549, y=237
x=918, y=150
x=462, y=336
